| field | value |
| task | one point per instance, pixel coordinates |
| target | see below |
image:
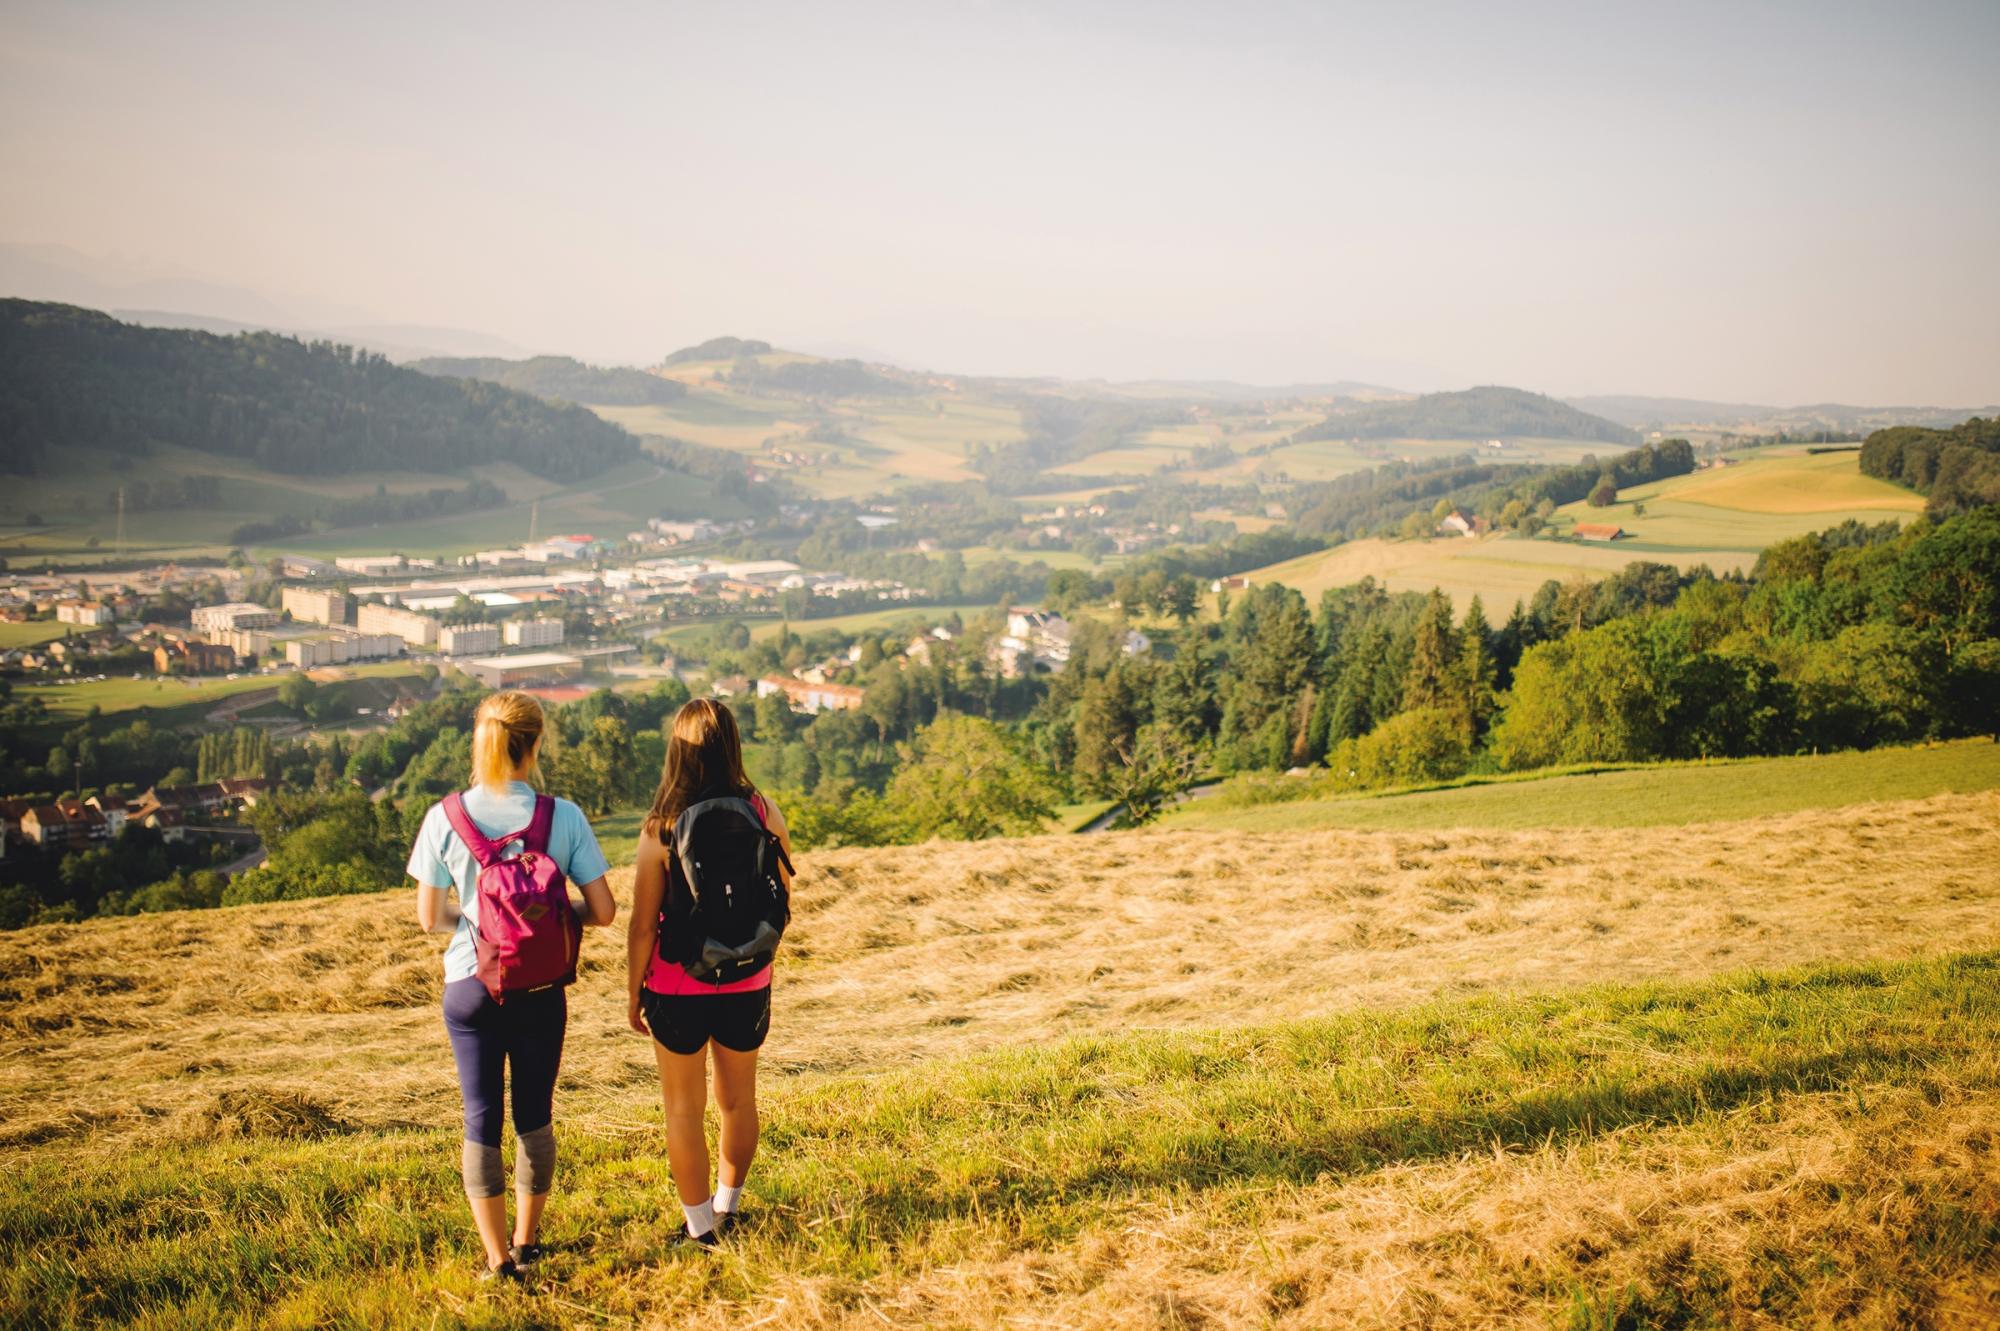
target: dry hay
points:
(902, 953)
(1878, 1202)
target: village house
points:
(806, 696)
(1460, 522)
(1598, 531)
(67, 824)
(193, 658)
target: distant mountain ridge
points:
(561, 379)
(1473, 413)
(72, 377)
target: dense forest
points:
(72, 377)
(1475, 413)
(1958, 468)
(821, 378)
(561, 379)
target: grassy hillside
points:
(1468, 1079)
(1720, 518)
(1651, 795)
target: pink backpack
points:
(528, 936)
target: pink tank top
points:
(671, 981)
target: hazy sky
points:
(1790, 203)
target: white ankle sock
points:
(725, 1198)
(700, 1218)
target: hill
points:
(1719, 517)
(74, 378)
(718, 348)
(1470, 1078)
(561, 379)
(1475, 413)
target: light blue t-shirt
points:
(441, 860)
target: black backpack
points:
(734, 908)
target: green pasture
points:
(1645, 795)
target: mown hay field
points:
(1736, 1073)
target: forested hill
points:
(72, 377)
(1958, 468)
(561, 378)
(1475, 413)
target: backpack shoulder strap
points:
(483, 850)
(536, 837)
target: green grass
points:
(173, 700)
(1650, 795)
(867, 1180)
(32, 633)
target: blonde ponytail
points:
(504, 732)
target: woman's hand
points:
(635, 1017)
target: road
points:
(1103, 821)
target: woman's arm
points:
(649, 891)
(598, 909)
(437, 909)
(784, 834)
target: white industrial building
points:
(231, 616)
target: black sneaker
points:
(505, 1272)
(526, 1254)
(728, 1222)
(689, 1238)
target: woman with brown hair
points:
(690, 993)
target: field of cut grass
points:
(1499, 569)
(1649, 795)
(1753, 503)
(32, 633)
(992, 1098)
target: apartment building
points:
(532, 632)
(316, 605)
(413, 628)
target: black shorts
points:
(685, 1023)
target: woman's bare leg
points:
(684, 1091)
(736, 1101)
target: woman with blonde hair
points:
(493, 866)
(709, 901)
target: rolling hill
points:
(1475, 413)
(74, 378)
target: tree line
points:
(1958, 468)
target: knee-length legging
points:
(522, 1037)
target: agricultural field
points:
(1499, 569)
(1769, 496)
(1642, 795)
(31, 633)
(1721, 519)
(167, 698)
(607, 505)
(1726, 1073)
(871, 445)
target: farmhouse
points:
(1598, 531)
(1461, 522)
